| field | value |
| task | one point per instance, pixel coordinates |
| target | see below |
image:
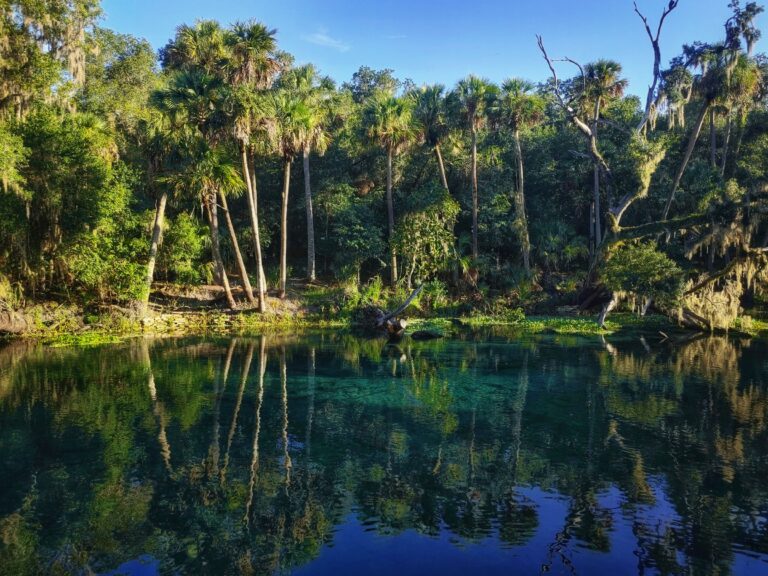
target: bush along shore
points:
(179, 311)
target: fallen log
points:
(377, 319)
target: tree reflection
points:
(663, 443)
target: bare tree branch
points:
(650, 99)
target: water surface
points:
(329, 454)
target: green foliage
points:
(13, 158)
(351, 234)
(424, 235)
(182, 251)
(643, 270)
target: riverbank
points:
(199, 312)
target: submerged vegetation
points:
(128, 174)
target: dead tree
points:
(376, 319)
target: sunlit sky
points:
(441, 41)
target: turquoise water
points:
(328, 454)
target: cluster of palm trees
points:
(230, 94)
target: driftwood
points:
(377, 319)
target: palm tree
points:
(196, 97)
(742, 93)
(429, 111)
(157, 142)
(472, 97)
(286, 126)
(307, 86)
(603, 84)
(520, 109)
(715, 63)
(251, 66)
(209, 175)
(201, 46)
(388, 123)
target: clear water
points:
(328, 454)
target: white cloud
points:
(322, 38)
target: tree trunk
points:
(474, 194)
(391, 219)
(686, 157)
(522, 220)
(596, 187)
(213, 222)
(236, 247)
(262, 275)
(284, 229)
(607, 307)
(251, 197)
(310, 220)
(441, 165)
(739, 140)
(712, 139)
(157, 238)
(726, 143)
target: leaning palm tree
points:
(158, 143)
(210, 175)
(286, 122)
(388, 123)
(602, 84)
(429, 111)
(471, 98)
(251, 66)
(521, 109)
(716, 63)
(195, 97)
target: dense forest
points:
(219, 160)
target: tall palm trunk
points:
(310, 219)
(213, 224)
(157, 238)
(441, 165)
(474, 194)
(686, 157)
(236, 247)
(262, 274)
(284, 228)
(251, 194)
(522, 220)
(739, 139)
(391, 218)
(726, 144)
(712, 139)
(596, 187)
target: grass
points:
(82, 340)
(585, 325)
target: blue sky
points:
(443, 40)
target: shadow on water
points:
(330, 454)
